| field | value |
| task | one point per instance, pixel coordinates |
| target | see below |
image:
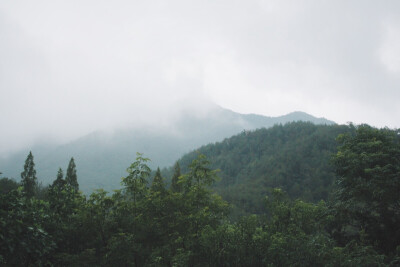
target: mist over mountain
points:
(103, 156)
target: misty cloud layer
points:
(70, 67)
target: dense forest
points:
(326, 201)
(295, 157)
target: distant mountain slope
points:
(261, 121)
(295, 157)
(102, 158)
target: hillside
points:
(102, 157)
(295, 157)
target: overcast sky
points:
(70, 67)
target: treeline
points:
(147, 223)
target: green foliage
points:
(136, 181)
(158, 183)
(175, 186)
(294, 157)
(28, 177)
(23, 238)
(367, 199)
(6, 185)
(187, 224)
(59, 183)
(121, 250)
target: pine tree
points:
(175, 187)
(71, 178)
(59, 182)
(28, 177)
(158, 183)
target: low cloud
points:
(72, 67)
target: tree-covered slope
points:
(101, 158)
(150, 224)
(295, 157)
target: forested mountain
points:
(101, 157)
(147, 223)
(295, 157)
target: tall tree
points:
(136, 190)
(59, 182)
(368, 199)
(71, 177)
(158, 183)
(136, 181)
(28, 177)
(175, 186)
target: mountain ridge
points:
(102, 157)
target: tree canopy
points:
(368, 195)
(147, 223)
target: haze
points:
(71, 67)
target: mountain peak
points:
(303, 116)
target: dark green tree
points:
(200, 207)
(175, 186)
(28, 177)
(71, 177)
(24, 240)
(6, 185)
(368, 200)
(64, 222)
(59, 182)
(158, 183)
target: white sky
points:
(71, 67)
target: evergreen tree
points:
(59, 182)
(158, 182)
(28, 177)
(71, 177)
(175, 187)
